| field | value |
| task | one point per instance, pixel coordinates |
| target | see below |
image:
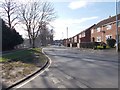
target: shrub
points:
(111, 42)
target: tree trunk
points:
(30, 42)
(33, 43)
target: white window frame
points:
(118, 23)
(75, 39)
(108, 36)
(92, 31)
(80, 36)
(83, 34)
(109, 27)
(79, 40)
(99, 39)
(98, 29)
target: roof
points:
(106, 21)
(87, 29)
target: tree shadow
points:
(27, 63)
(74, 57)
(3, 86)
(33, 57)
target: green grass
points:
(19, 54)
(22, 63)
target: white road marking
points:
(50, 75)
(86, 59)
(37, 74)
(55, 80)
(61, 86)
(47, 69)
(81, 85)
(68, 77)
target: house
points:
(84, 36)
(99, 32)
(105, 29)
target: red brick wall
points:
(87, 35)
(111, 31)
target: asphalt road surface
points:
(74, 68)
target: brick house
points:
(98, 32)
(84, 36)
(105, 29)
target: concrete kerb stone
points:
(46, 65)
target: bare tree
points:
(34, 15)
(8, 12)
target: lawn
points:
(17, 65)
(22, 54)
(14, 55)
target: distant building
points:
(99, 32)
(82, 37)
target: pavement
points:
(75, 68)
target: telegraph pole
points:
(67, 36)
(117, 37)
(67, 32)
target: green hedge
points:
(111, 42)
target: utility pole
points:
(117, 37)
(67, 36)
(62, 36)
(67, 32)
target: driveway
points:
(74, 68)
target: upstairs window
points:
(119, 24)
(83, 34)
(108, 36)
(92, 31)
(98, 39)
(80, 36)
(108, 27)
(75, 39)
(98, 29)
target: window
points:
(98, 29)
(108, 27)
(83, 34)
(79, 40)
(80, 36)
(108, 36)
(75, 39)
(69, 40)
(119, 24)
(98, 39)
(92, 31)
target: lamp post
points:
(117, 37)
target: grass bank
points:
(17, 65)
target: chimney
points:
(110, 16)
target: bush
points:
(111, 42)
(10, 38)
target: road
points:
(74, 68)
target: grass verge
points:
(17, 65)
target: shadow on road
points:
(2, 86)
(74, 57)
